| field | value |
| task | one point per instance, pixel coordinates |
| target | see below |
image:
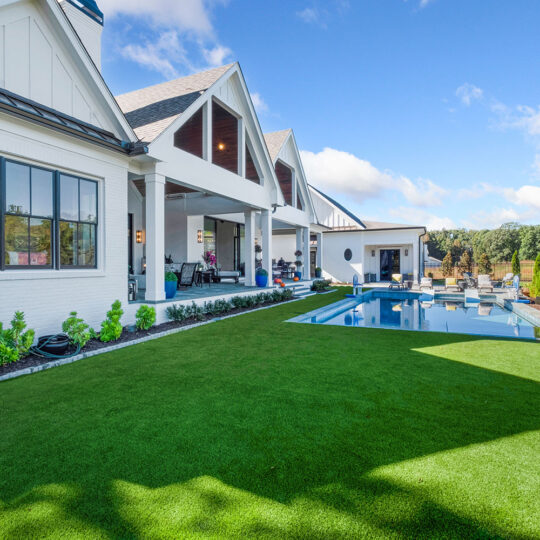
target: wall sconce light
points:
(138, 237)
(406, 253)
(199, 237)
(221, 146)
(373, 253)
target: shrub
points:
(447, 267)
(111, 328)
(535, 284)
(145, 317)
(320, 285)
(177, 313)
(261, 272)
(170, 276)
(77, 330)
(297, 253)
(465, 262)
(516, 265)
(15, 342)
(239, 302)
(484, 264)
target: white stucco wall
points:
(284, 246)
(47, 296)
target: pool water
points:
(412, 312)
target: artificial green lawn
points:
(252, 427)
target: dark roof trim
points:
(22, 107)
(342, 208)
(397, 228)
(89, 8)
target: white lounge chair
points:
(484, 283)
(426, 283)
(397, 282)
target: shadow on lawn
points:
(246, 444)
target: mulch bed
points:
(127, 336)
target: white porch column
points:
(320, 250)
(416, 261)
(155, 237)
(249, 240)
(266, 229)
(306, 271)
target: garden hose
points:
(38, 350)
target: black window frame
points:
(55, 219)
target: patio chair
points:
(470, 282)
(484, 283)
(397, 282)
(426, 283)
(508, 281)
(452, 283)
(187, 275)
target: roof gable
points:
(275, 141)
(49, 65)
(151, 110)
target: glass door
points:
(390, 263)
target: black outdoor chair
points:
(187, 274)
(470, 282)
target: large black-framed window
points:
(48, 220)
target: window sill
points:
(17, 275)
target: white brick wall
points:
(47, 296)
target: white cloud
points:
(337, 171)
(493, 219)
(259, 103)
(424, 3)
(415, 216)
(184, 15)
(468, 93)
(172, 28)
(154, 55)
(524, 196)
(309, 15)
(217, 56)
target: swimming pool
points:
(417, 311)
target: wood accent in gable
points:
(190, 135)
(251, 170)
(284, 175)
(224, 138)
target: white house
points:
(94, 189)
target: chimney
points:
(87, 19)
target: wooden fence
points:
(499, 270)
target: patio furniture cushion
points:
(450, 281)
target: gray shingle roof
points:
(385, 225)
(153, 109)
(274, 142)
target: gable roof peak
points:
(152, 109)
(275, 141)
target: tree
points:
(447, 266)
(502, 242)
(516, 267)
(465, 262)
(530, 242)
(484, 264)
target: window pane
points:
(87, 245)
(40, 242)
(42, 193)
(17, 188)
(16, 236)
(69, 198)
(68, 244)
(88, 201)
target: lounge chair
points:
(452, 283)
(484, 283)
(397, 282)
(187, 274)
(426, 283)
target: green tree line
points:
(498, 245)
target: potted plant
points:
(318, 272)
(298, 264)
(261, 277)
(171, 282)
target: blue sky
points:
(413, 111)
